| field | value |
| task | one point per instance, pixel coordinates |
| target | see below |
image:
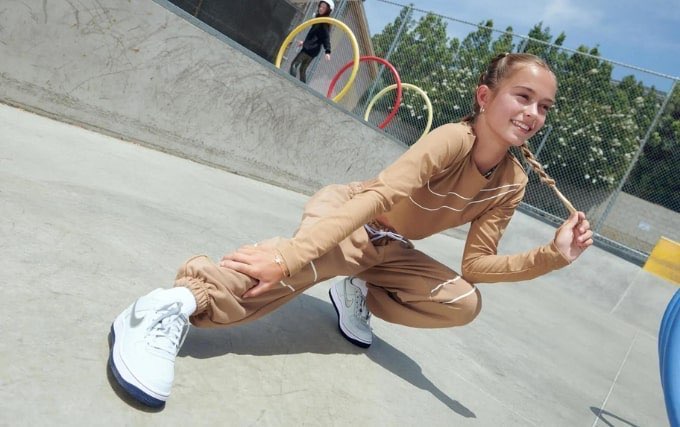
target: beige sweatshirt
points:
(434, 186)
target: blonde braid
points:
(536, 166)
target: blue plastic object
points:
(669, 358)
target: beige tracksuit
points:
(434, 186)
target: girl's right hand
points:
(574, 236)
(258, 262)
(300, 43)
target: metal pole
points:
(390, 50)
(616, 193)
(522, 46)
(541, 144)
(548, 130)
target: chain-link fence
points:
(612, 141)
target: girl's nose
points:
(531, 110)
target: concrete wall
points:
(637, 223)
(258, 25)
(137, 70)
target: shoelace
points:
(361, 309)
(169, 329)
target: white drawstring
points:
(376, 234)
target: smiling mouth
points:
(525, 127)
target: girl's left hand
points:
(257, 262)
(574, 236)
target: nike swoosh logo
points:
(348, 300)
(134, 320)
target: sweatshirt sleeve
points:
(411, 170)
(326, 39)
(481, 264)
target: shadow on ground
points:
(606, 417)
(288, 331)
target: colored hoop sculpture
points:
(397, 101)
(343, 27)
(669, 358)
(421, 92)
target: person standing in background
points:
(318, 35)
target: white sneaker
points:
(354, 319)
(146, 338)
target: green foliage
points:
(595, 128)
(655, 176)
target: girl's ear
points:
(483, 95)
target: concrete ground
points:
(89, 223)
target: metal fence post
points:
(522, 46)
(541, 144)
(390, 50)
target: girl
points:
(317, 36)
(459, 173)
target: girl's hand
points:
(300, 43)
(574, 236)
(328, 57)
(259, 263)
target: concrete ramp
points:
(90, 222)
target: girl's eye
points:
(523, 96)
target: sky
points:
(644, 34)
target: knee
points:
(470, 307)
(466, 307)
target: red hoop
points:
(397, 101)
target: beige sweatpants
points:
(405, 286)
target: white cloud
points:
(569, 13)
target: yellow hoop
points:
(343, 27)
(420, 92)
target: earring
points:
(481, 110)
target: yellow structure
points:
(415, 88)
(664, 260)
(343, 27)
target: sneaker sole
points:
(344, 333)
(143, 397)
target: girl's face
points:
(323, 8)
(518, 107)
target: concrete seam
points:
(611, 389)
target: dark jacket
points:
(318, 35)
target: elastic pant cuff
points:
(197, 287)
